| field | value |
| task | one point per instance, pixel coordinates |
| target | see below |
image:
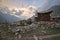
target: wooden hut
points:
(43, 16)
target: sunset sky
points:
(25, 3)
(28, 6)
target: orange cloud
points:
(27, 13)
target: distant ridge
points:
(8, 18)
(2, 19)
(56, 11)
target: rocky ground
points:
(35, 31)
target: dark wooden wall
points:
(55, 19)
(43, 16)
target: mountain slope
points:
(2, 19)
(56, 11)
(8, 18)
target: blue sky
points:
(33, 2)
(20, 2)
(37, 3)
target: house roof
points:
(47, 11)
(54, 10)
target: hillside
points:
(7, 18)
(56, 11)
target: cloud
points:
(18, 3)
(26, 12)
(19, 13)
(0, 0)
(9, 3)
(29, 12)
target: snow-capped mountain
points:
(6, 16)
(14, 15)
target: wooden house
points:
(43, 16)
